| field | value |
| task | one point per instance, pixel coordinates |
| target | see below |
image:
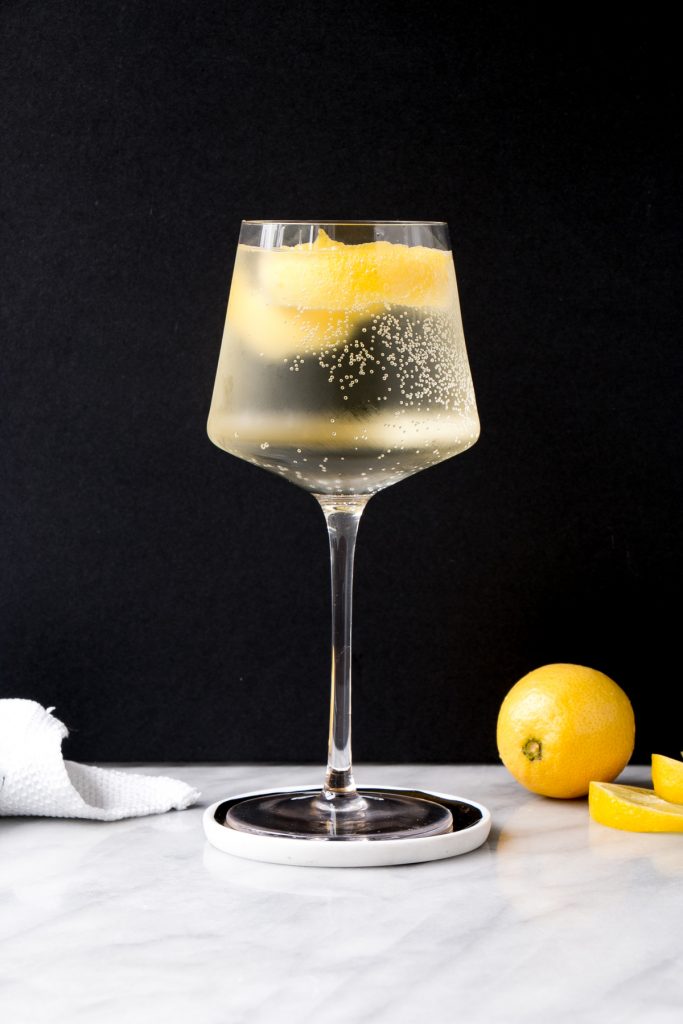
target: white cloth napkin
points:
(35, 778)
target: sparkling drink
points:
(343, 367)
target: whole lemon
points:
(563, 726)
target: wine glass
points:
(343, 369)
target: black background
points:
(173, 601)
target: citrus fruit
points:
(309, 297)
(562, 726)
(667, 778)
(276, 331)
(329, 275)
(633, 809)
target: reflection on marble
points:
(140, 921)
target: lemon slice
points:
(314, 296)
(633, 809)
(276, 331)
(667, 778)
(330, 275)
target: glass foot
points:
(373, 814)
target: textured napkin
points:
(35, 778)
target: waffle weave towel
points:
(36, 780)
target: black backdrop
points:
(173, 601)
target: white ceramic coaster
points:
(471, 826)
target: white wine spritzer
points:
(343, 367)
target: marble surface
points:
(141, 921)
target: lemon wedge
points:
(633, 809)
(667, 778)
(330, 275)
(314, 296)
(278, 331)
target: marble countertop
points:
(141, 921)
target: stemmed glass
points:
(343, 369)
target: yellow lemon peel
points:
(326, 274)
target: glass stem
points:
(342, 516)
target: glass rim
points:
(352, 223)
